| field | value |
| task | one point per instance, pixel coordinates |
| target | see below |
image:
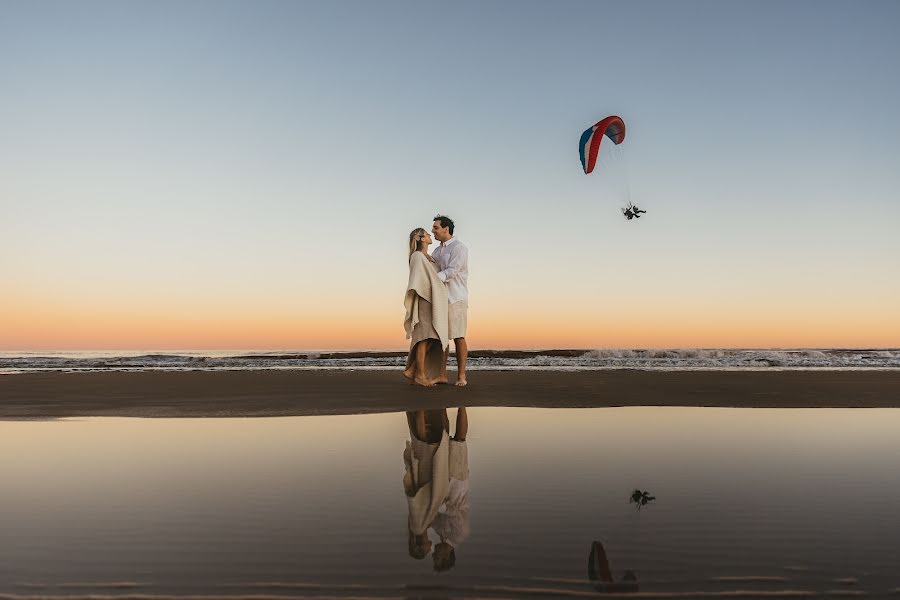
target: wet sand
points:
(284, 393)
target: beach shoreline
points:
(166, 394)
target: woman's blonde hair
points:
(415, 236)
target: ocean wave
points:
(571, 359)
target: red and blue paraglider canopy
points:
(612, 127)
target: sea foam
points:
(665, 359)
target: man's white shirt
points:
(452, 258)
(452, 524)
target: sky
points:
(244, 175)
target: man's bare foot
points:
(441, 379)
(423, 381)
(409, 373)
(461, 381)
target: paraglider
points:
(612, 127)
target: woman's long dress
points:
(424, 330)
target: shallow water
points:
(767, 501)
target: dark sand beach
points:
(283, 393)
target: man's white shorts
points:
(459, 319)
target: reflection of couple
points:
(437, 302)
(436, 482)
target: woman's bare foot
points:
(441, 379)
(423, 381)
(410, 373)
(461, 381)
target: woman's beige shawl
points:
(425, 496)
(425, 283)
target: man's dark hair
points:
(445, 222)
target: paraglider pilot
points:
(632, 212)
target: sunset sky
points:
(244, 175)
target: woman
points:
(436, 473)
(427, 314)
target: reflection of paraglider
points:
(589, 147)
(600, 573)
(641, 498)
(598, 564)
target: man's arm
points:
(458, 258)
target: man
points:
(451, 523)
(452, 258)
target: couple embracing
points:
(437, 303)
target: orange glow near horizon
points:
(76, 326)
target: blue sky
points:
(273, 156)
